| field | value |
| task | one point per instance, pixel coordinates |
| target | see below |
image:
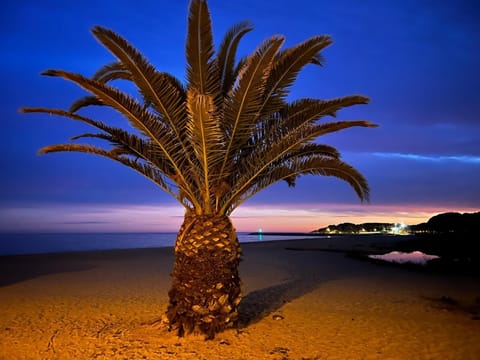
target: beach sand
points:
(299, 303)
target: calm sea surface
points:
(31, 243)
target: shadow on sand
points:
(259, 304)
(306, 271)
(18, 268)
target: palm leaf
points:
(293, 117)
(312, 149)
(314, 165)
(162, 90)
(200, 50)
(109, 72)
(59, 112)
(304, 111)
(225, 135)
(91, 135)
(138, 116)
(113, 71)
(140, 119)
(257, 163)
(227, 52)
(286, 68)
(117, 136)
(304, 151)
(85, 101)
(132, 145)
(150, 172)
(207, 138)
(242, 109)
(294, 139)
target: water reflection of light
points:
(260, 235)
(415, 257)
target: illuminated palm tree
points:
(212, 143)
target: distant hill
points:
(450, 222)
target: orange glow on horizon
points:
(149, 218)
(302, 218)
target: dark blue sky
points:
(418, 61)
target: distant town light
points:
(399, 229)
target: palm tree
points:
(211, 143)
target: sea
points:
(41, 243)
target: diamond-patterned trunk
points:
(205, 290)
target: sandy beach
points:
(300, 303)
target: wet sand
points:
(298, 305)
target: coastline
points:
(306, 304)
(46, 243)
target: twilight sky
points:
(418, 61)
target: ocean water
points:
(36, 243)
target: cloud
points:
(84, 222)
(435, 158)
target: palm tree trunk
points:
(206, 290)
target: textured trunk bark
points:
(205, 291)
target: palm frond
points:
(227, 52)
(59, 112)
(109, 72)
(84, 102)
(113, 71)
(286, 68)
(258, 162)
(200, 50)
(303, 112)
(132, 145)
(313, 165)
(294, 117)
(312, 149)
(306, 152)
(248, 164)
(140, 119)
(207, 139)
(91, 135)
(240, 112)
(147, 170)
(225, 135)
(318, 60)
(236, 71)
(162, 90)
(117, 136)
(294, 140)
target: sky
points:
(418, 61)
